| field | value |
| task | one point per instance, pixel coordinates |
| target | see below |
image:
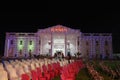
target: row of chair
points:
(108, 70)
(70, 71)
(35, 69)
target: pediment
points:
(58, 28)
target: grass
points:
(83, 75)
(57, 78)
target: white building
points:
(58, 38)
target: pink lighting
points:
(58, 29)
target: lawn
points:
(83, 75)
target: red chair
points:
(46, 73)
(40, 75)
(55, 69)
(34, 75)
(25, 77)
(67, 76)
(51, 71)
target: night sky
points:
(91, 20)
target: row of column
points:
(101, 41)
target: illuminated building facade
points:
(58, 38)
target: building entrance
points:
(58, 45)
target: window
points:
(87, 43)
(106, 43)
(97, 43)
(30, 42)
(21, 42)
(11, 42)
(87, 52)
(107, 53)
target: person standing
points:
(69, 57)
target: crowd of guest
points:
(58, 55)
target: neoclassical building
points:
(58, 38)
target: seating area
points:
(39, 69)
(55, 69)
(70, 71)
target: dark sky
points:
(101, 20)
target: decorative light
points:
(58, 29)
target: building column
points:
(76, 44)
(6, 47)
(25, 47)
(80, 45)
(16, 42)
(65, 45)
(15, 47)
(41, 48)
(91, 44)
(37, 45)
(51, 43)
(111, 49)
(101, 47)
(93, 48)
